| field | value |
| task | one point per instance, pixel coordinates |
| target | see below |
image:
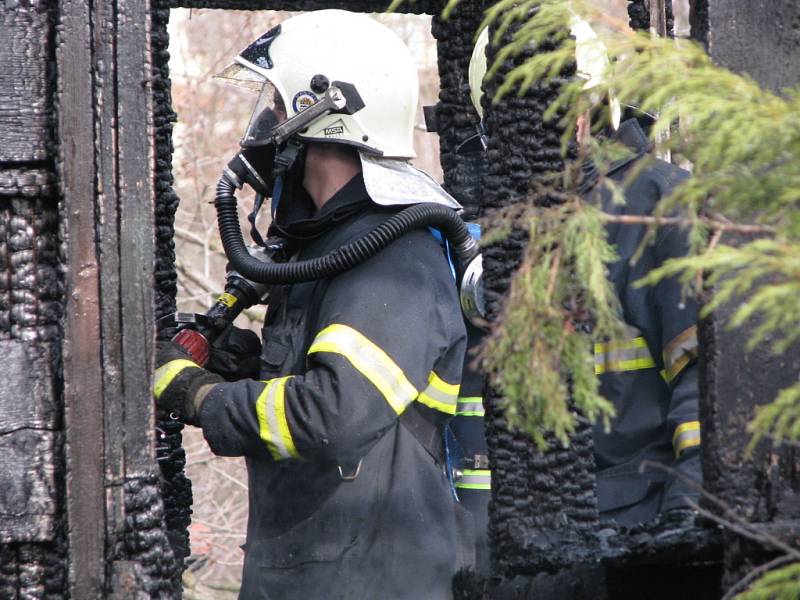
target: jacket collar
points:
(629, 134)
(301, 220)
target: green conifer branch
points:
(779, 584)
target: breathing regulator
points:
(369, 104)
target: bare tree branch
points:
(715, 224)
(745, 581)
(733, 522)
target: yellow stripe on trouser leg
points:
(471, 406)
(166, 373)
(475, 479)
(440, 395)
(686, 436)
(369, 360)
(273, 427)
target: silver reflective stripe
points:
(272, 423)
(368, 359)
(470, 407)
(686, 436)
(629, 355)
(475, 479)
(440, 395)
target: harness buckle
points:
(353, 474)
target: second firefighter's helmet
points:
(591, 58)
(293, 64)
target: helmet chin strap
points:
(286, 158)
(282, 166)
(288, 167)
(277, 190)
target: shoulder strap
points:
(429, 435)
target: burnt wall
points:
(32, 527)
(77, 266)
(81, 515)
(760, 38)
(639, 15)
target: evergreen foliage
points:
(539, 356)
(743, 142)
(740, 210)
(780, 584)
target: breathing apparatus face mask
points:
(271, 135)
(255, 163)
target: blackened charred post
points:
(431, 7)
(456, 117)
(640, 12)
(176, 489)
(762, 487)
(83, 373)
(544, 511)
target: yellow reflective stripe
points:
(636, 364)
(440, 395)
(604, 347)
(167, 372)
(369, 360)
(679, 352)
(475, 479)
(686, 436)
(627, 355)
(273, 427)
(470, 406)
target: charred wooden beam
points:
(82, 362)
(26, 104)
(761, 39)
(432, 7)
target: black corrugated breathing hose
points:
(344, 258)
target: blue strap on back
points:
(474, 230)
(453, 453)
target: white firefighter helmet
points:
(300, 58)
(477, 70)
(591, 60)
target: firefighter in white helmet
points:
(342, 425)
(651, 376)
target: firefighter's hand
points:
(179, 385)
(236, 354)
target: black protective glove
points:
(178, 384)
(236, 354)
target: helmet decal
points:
(335, 130)
(302, 100)
(258, 52)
